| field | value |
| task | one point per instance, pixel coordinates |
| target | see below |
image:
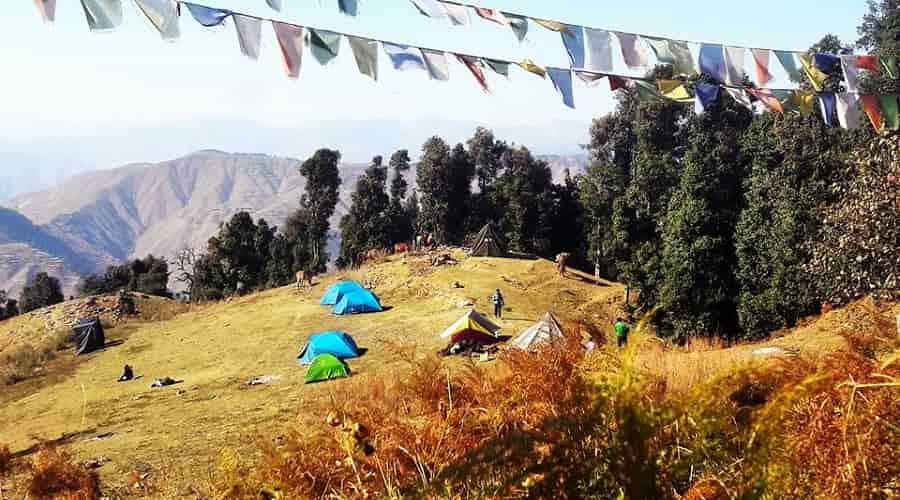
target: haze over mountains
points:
(103, 217)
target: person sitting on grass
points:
(127, 374)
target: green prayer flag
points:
(891, 67)
(789, 61)
(366, 53)
(889, 110)
(324, 45)
(647, 91)
(519, 25)
(676, 54)
(499, 67)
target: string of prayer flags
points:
(674, 90)
(633, 51)
(562, 82)
(349, 7)
(734, 65)
(47, 9)
(573, 39)
(890, 111)
(848, 110)
(474, 65)
(163, 15)
(249, 32)
(828, 104)
(519, 25)
(324, 45)
(274, 4)
(531, 67)
(207, 16)
(430, 8)
(102, 15)
(599, 48)
(290, 40)
(712, 61)
(705, 95)
(404, 58)
(870, 105)
(761, 61)
(365, 52)
(438, 68)
(852, 64)
(788, 61)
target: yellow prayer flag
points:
(552, 25)
(530, 66)
(804, 101)
(674, 90)
(816, 77)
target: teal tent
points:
(338, 344)
(326, 367)
(335, 292)
(360, 301)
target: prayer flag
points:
(365, 52)
(290, 40)
(803, 100)
(676, 54)
(788, 61)
(562, 82)
(734, 65)
(275, 4)
(438, 68)
(249, 32)
(761, 59)
(890, 67)
(828, 103)
(404, 58)
(741, 97)
(499, 67)
(430, 8)
(646, 91)
(851, 73)
(162, 14)
(551, 25)
(458, 14)
(870, 105)
(590, 79)
(207, 16)
(766, 97)
(474, 65)
(349, 7)
(616, 83)
(530, 66)
(102, 14)
(519, 25)
(848, 111)
(492, 15)
(47, 8)
(674, 90)
(890, 111)
(826, 63)
(712, 61)
(633, 50)
(816, 77)
(599, 46)
(324, 45)
(573, 39)
(868, 62)
(705, 96)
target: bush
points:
(6, 460)
(52, 474)
(21, 362)
(43, 290)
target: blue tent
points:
(361, 301)
(336, 291)
(338, 344)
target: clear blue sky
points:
(62, 80)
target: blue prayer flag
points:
(208, 16)
(562, 81)
(573, 39)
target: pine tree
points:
(318, 203)
(444, 179)
(367, 225)
(525, 191)
(401, 225)
(43, 290)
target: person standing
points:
(497, 299)
(621, 328)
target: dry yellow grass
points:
(216, 348)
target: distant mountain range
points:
(99, 218)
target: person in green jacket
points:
(621, 328)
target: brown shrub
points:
(6, 460)
(53, 475)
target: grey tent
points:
(545, 330)
(88, 336)
(489, 243)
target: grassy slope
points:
(215, 349)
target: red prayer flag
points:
(867, 62)
(617, 82)
(474, 65)
(873, 110)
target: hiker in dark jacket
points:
(498, 302)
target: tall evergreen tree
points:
(41, 291)
(524, 191)
(486, 153)
(367, 225)
(444, 179)
(319, 201)
(401, 225)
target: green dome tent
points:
(326, 367)
(489, 243)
